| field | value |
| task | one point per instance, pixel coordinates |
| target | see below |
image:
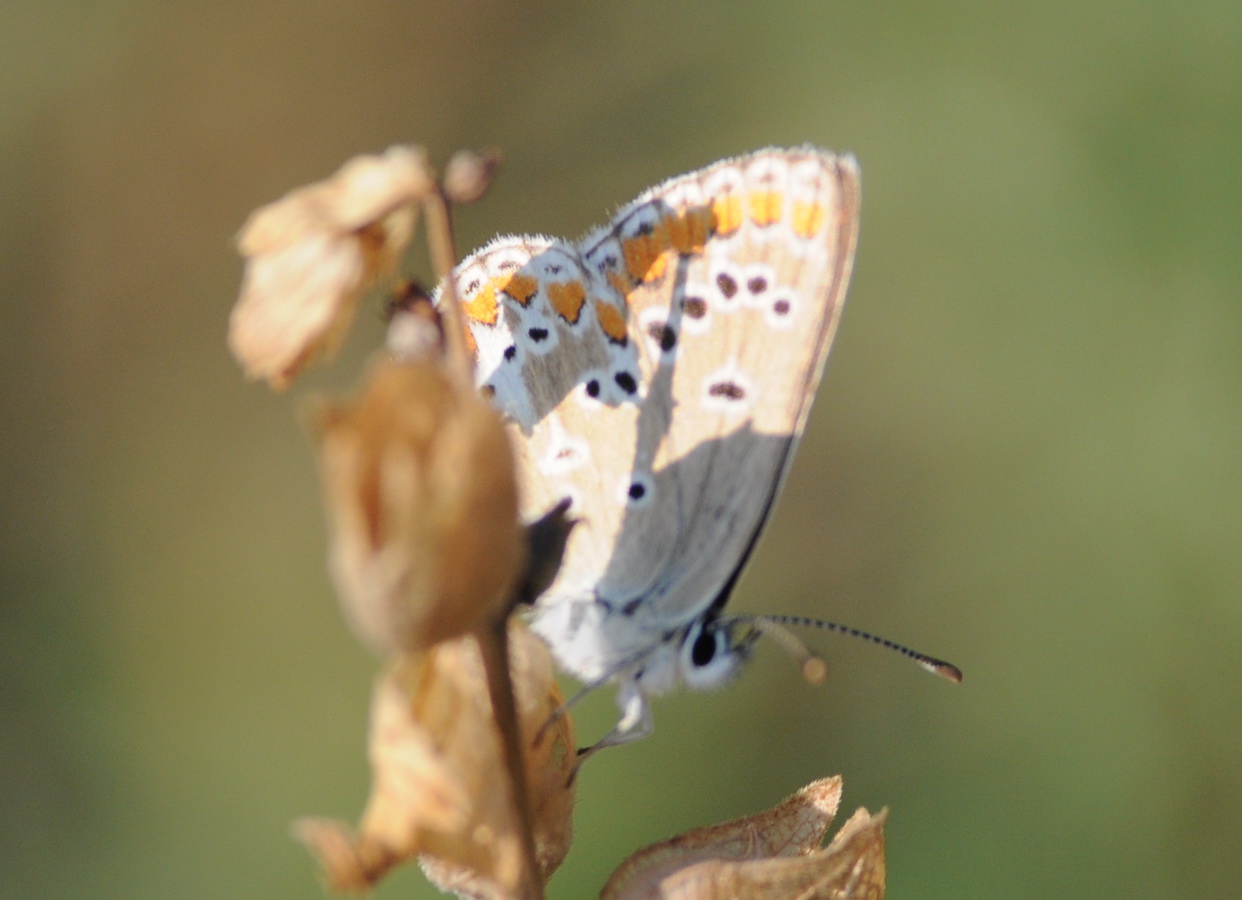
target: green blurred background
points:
(1026, 455)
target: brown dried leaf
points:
(439, 785)
(769, 856)
(311, 256)
(422, 505)
(349, 865)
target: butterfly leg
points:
(635, 723)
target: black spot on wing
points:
(663, 334)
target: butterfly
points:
(658, 373)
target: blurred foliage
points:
(1026, 455)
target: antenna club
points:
(815, 671)
(944, 670)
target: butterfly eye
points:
(704, 648)
(709, 658)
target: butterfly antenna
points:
(768, 625)
(813, 667)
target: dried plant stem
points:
(493, 634)
(493, 640)
(443, 259)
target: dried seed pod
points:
(422, 508)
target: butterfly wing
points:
(555, 355)
(659, 373)
(737, 275)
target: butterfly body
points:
(658, 373)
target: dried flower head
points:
(311, 256)
(439, 789)
(770, 856)
(422, 505)
(469, 174)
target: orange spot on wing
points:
(520, 287)
(688, 231)
(642, 252)
(483, 307)
(808, 218)
(766, 207)
(726, 214)
(619, 283)
(612, 320)
(656, 270)
(567, 299)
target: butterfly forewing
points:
(732, 342)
